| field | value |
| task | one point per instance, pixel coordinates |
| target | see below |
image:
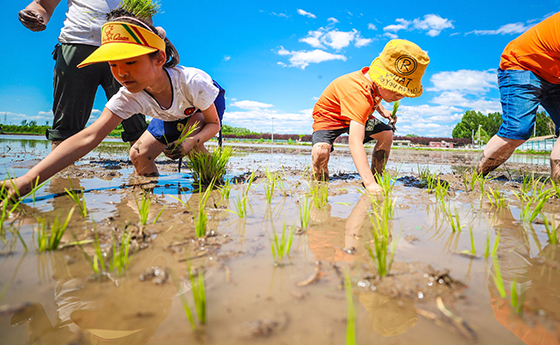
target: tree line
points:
(474, 125)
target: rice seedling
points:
(73, 195)
(454, 219)
(471, 180)
(49, 240)
(144, 9)
(304, 210)
(517, 299)
(97, 263)
(208, 167)
(18, 235)
(350, 314)
(551, 230)
(201, 220)
(35, 186)
(144, 205)
(381, 237)
(199, 295)
(319, 193)
(279, 179)
(4, 290)
(440, 191)
(556, 188)
(533, 204)
(225, 189)
(497, 277)
(395, 109)
(121, 255)
(496, 198)
(472, 252)
(387, 182)
(281, 246)
(269, 186)
(240, 203)
(7, 205)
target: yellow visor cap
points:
(121, 41)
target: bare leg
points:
(381, 151)
(55, 143)
(320, 160)
(143, 154)
(555, 162)
(496, 152)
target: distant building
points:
(441, 144)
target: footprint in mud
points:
(264, 327)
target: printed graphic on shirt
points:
(189, 111)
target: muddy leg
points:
(143, 154)
(381, 151)
(555, 163)
(496, 152)
(320, 160)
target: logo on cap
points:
(406, 65)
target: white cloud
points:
(508, 29)
(227, 58)
(333, 20)
(432, 24)
(335, 39)
(306, 14)
(251, 105)
(371, 26)
(464, 80)
(261, 120)
(303, 58)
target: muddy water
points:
(55, 298)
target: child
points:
(348, 103)
(145, 64)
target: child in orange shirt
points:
(348, 103)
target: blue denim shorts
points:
(521, 93)
(168, 131)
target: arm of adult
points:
(359, 156)
(37, 14)
(68, 152)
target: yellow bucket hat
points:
(400, 68)
(121, 41)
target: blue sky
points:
(275, 58)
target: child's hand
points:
(175, 151)
(374, 188)
(386, 114)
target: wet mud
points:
(434, 293)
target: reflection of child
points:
(347, 105)
(175, 96)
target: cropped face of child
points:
(389, 96)
(136, 74)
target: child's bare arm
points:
(359, 156)
(386, 113)
(208, 131)
(69, 151)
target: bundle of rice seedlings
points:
(144, 9)
(208, 167)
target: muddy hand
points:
(32, 20)
(173, 151)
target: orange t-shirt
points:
(536, 50)
(349, 97)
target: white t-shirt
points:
(193, 90)
(84, 19)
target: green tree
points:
(493, 124)
(469, 124)
(544, 125)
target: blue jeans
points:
(521, 93)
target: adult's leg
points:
(520, 95)
(497, 151)
(320, 154)
(381, 151)
(74, 91)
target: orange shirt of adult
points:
(349, 97)
(536, 50)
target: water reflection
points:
(537, 279)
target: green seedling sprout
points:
(281, 246)
(440, 191)
(472, 252)
(533, 204)
(144, 9)
(184, 302)
(201, 220)
(454, 220)
(35, 187)
(496, 198)
(319, 193)
(225, 189)
(279, 179)
(49, 240)
(8, 206)
(73, 195)
(143, 206)
(517, 299)
(551, 230)
(395, 109)
(304, 209)
(199, 296)
(350, 314)
(240, 202)
(386, 182)
(498, 281)
(381, 237)
(210, 166)
(269, 184)
(121, 255)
